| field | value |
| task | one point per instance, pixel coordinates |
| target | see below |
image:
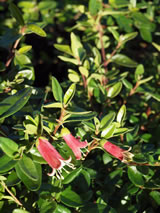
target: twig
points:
(112, 54)
(12, 195)
(63, 113)
(134, 89)
(12, 53)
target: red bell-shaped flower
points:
(73, 143)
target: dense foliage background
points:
(92, 67)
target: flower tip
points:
(64, 131)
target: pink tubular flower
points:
(123, 155)
(53, 158)
(73, 143)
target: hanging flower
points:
(53, 158)
(73, 143)
(123, 155)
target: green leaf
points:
(123, 60)
(94, 6)
(107, 120)
(127, 84)
(71, 198)
(36, 29)
(14, 103)
(36, 156)
(12, 179)
(108, 131)
(114, 32)
(24, 49)
(79, 117)
(16, 13)
(57, 90)
(135, 176)
(156, 196)
(19, 211)
(69, 94)
(29, 172)
(21, 60)
(7, 163)
(61, 209)
(53, 105)
(71, 60)
(114, 90)
(157, 46)
(146, 35)
(73, 76)
(128, 37)
(64, 48)
(9, 147)
(77, 47)
(121, 114)
(72, 175)
(139, 72)
(84, 71)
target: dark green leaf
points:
(36, 29)
(135, 176)
(123, 60)
(61, 209)
(12, 179)
(107, 120)
(14, 103)
(81, 117)
(29, 172)
(72, 175)
(108, 131)
(57, 90)
(9, 147)
(114, 90)
(16, 13)
(71, 198)
(156, 196)
(64, 48)
(7, 163)
(94, 6)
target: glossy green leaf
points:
(9, 147)
(79, 117)
(127, 84)
(121, 114)
(36, 156)
(21, 60)
(53, 105)
(94, 6)
(36, 29)
(107, 120)
(89, 125)
(77, 47)
(12, 179)
(123, 60)
(157, 46)
(24, 49)
(139, 72)
(108, 131)
(29, 172)
(61, 209)
(73, 76)
(7, 163)
(14, 103)
(155, 196)
(72, 175)
(135, 176)
(114, 90)
(143, 81)
(57, 90)
(84, 71)
(120, 131)
(114, 32)
(128, 37)
(71, 60)
(64, 48)
(16, 13)
(71, 198)
(19, 211)
(69, 94)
